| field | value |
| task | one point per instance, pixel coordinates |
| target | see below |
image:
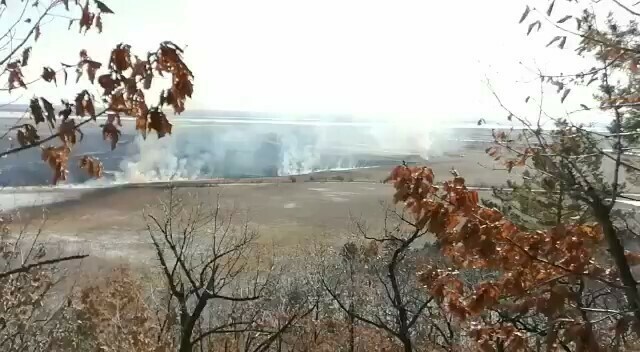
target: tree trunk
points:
(406, 344)
(352, 334)
(187, 323)
(617, 252)
(185, 340)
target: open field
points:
(108, 223)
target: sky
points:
(408, 58)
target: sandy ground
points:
(108, 224)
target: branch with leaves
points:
(123, 82)
(536, 271)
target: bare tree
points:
(209, 261)
(28, 277)
(380, 286)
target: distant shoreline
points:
(242, 116)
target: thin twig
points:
(49, 138)
(26, 268)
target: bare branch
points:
(29, 267)
(628, 9)
(47, 139)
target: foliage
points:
(541, 275)
(557, 242)
(379, 287)
(110, 314)
(23, 296)
(544, 265)
(123, 81)
(28, 276)
(543, 199)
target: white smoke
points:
(155, 160)
(210, 149)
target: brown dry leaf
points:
(16, 80)
(86, 20)
(141, 125)
(522, 161)
(26, 54)
(37, 32)
(556, 301)
(118, 103)
(15, 77)
(48, 74)
(169, 60)
(36, 111)
(66, 111)
(92, 68)
(148, 79)
(79, 104)
(107, 83)
(140, 68)
(22, 139)
(99, 23)
(93, 166)
(120, 58)
(509, 164)
(491, 151)
(28, 135)
(458, 309)
(131, 86)
(169, 57)
(138, 106)
(486, 296)
(168, 97)
(13, 65)
(114, 118)
(89, 107)
(69, 132)
(102, 7)
(181, 90)
(51, 113)
(112, 133)
(473, 197)
(84, 104)
(57, 158)
(158, 122)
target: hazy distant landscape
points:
(214, 146)
(251, 162)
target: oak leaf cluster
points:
(122, 83)
(537, 272)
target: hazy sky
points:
(405, 57)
